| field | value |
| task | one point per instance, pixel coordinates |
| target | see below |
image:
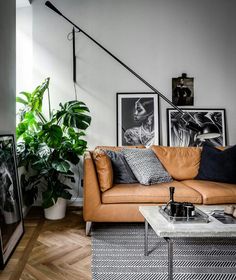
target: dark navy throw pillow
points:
(217, 165)
(122, 173)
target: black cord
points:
(69, 37)
(76, 96)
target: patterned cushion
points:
(146, 166)
(122, 173)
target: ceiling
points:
(23, 3)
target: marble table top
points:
(165, 229)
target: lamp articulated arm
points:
(52, 7)
(190, 124)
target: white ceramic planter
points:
(57, 211)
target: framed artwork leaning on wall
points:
(178, 134)
(11, 221)
(137, 119)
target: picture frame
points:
(180, 135)
(138, 121)
(183, 91)
(11, 219)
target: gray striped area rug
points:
(118, 254)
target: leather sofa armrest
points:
(92, 194)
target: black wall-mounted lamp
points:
(207, 131)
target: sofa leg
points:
(88, 228)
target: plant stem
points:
(49, 104)
(41, 117)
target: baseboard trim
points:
(76, 201)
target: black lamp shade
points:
(209, 131)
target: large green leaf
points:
(34, 100)
(39, 164)
(48, 198)
(61, 165)
(43, 151)
(21, 100)
(66, 195)
(74, 114)
(26, 94)
(37, 96)
(55, 190)
(21, 128)
(29, 189)
(71, 156)
(51, 135)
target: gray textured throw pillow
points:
(146, 166)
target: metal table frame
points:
(214, 229)
(170, 250)
(170, 242)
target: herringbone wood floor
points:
(51, 250)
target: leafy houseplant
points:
(47, 146)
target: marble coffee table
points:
(168, 230)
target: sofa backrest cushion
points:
(146, 166)
(182, 163)
(104, 169)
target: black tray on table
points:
(199, 217)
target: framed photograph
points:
(137, 119)
(212, 123)
(11, 220)
(182, 91)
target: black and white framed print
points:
(211, 124)
(11, 221)
(137, 119)
(183, 91)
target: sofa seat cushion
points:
(157, 193)
(213, 192)
(182, 163)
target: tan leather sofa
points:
(120, 202)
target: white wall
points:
(24, 49)
(22, 3)
(7, 66)
(160, 39)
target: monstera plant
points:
(47, 146)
